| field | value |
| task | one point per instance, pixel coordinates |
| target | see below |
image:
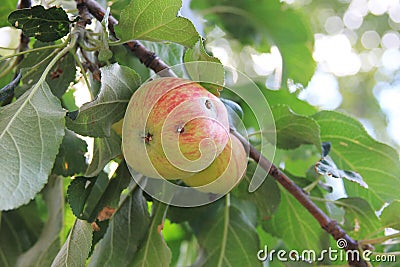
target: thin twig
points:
(147, 57)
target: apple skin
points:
(224, 173)
(173, 128)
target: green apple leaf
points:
(104, 150)
(293, 130)
(390, 216)
(96, 117)
(31, 131)
(70, 159)
(46, 247)
(5, 9)
(87, 197)
(198, 53)
(58, 79)
(353, 149)
(13, 240)
(360, 218)
(156, 20)
(170, 53)
(84, 196)
(235, 113)
(154, 251)
(77, 194)
(295, 225)
(77, 246)
(284, 97)
(227, 235)
(126, 230)
(44, 24)
(204, 68)
(266, 198)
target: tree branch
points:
(150, 60)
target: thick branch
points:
(148, 58)
(153, 62)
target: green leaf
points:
(227, 235)
(266, 198)
(31, 130)
(233, 107)
(104, 150)
(170, 53)
(70, 159)
(326, 166)
(126, 230)
(44, 24)
(45, 249)
(199, 53)
(353, 149)
(284, 97)
(77, 194)
(156, 20)
(77, 246)
(205, 69)
(87, 197)
(296, 226)
(124, 57)
(5, 9)
(84, 196)
(262, 24)
(360, 219)
(68, 101)
(58, 79)
(235, 113)
(62, 75)
(93, 204)
(300, 161)
(154, 251)
(390, 216)
(111, 196)
(293, 130)
(19, 230)
(96, 117)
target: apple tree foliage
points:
(60, 209)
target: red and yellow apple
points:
(176, 129)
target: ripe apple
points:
(224, 173)
(173, 128)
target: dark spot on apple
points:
(148, 137)
(180, 129)
(208, 104)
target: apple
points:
(173, 128)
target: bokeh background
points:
(356, 49)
